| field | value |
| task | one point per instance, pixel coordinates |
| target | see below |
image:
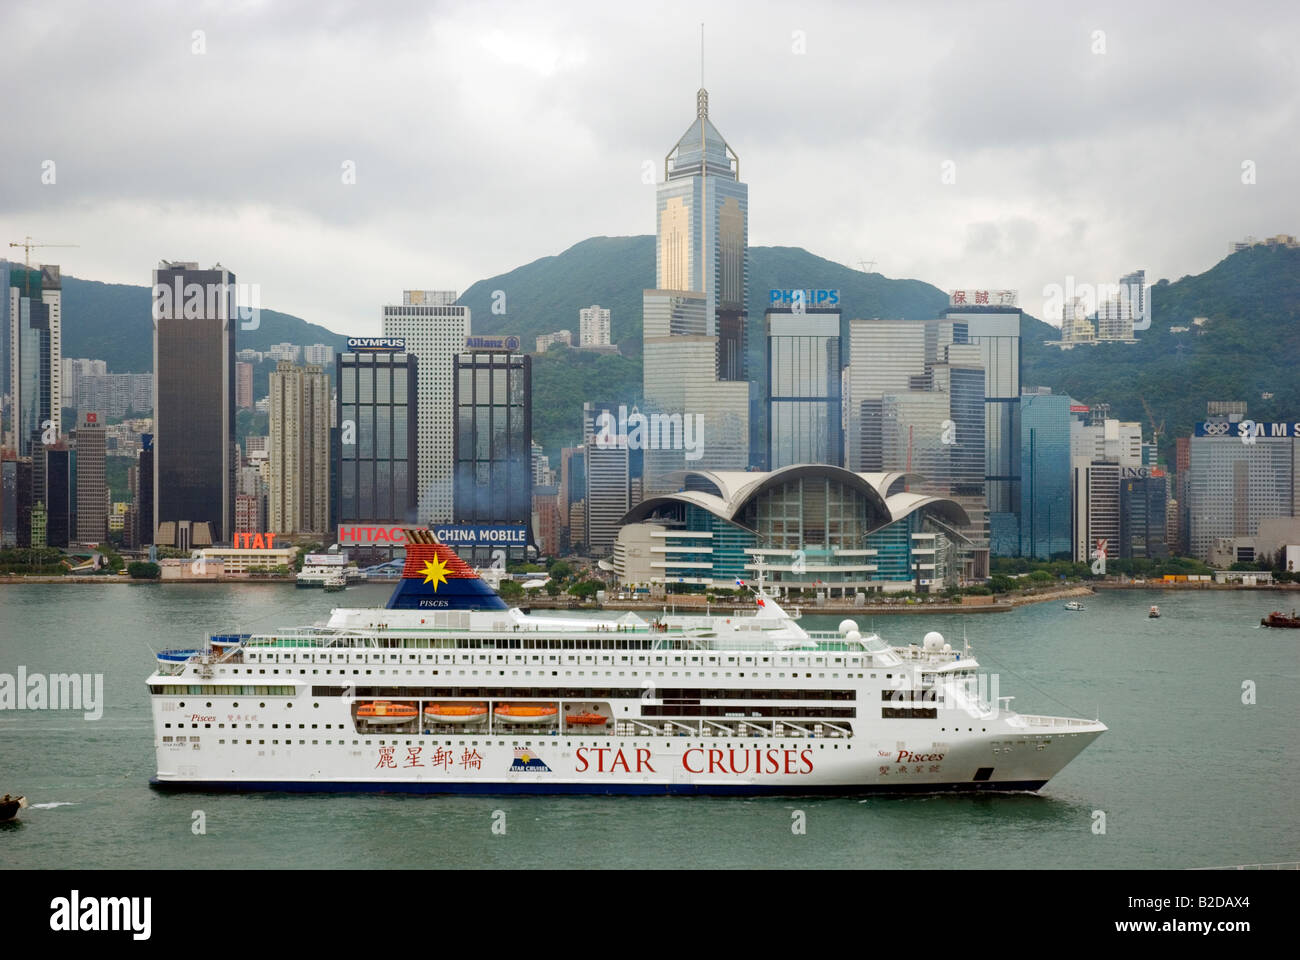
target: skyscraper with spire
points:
(694, 322)
(702, 209)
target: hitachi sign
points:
(371, 536)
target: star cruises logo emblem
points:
(435, 572)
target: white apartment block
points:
(435, 329)
(593, 326)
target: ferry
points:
(327, 570)
(447, 690)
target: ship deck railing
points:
(1036, 720)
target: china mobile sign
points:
(196, 301)
(453, 535)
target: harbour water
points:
(1189, 775)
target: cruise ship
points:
(447, 690)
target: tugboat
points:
(1277, 619)
(9, 807)
(1074, 605)
(1153, 613)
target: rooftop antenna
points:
(701, 54)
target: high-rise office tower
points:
(1045, 475)
(884, 357)
(377, 469)
(32, 315)
(703, 233)
(435, 329)
(243, 385)
(60, 495)
(694, 321)
(804, 422)
(493, 443)
(702, 422)
(194, 403)
(991, 319)
(298, 500)
(92, 489)
(8, 501)
(609, 479)
(143, 493)
(593, 326)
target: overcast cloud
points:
(487, 135)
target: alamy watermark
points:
(194, 301)
(1106, 301)
(655, 431)
(57, 691)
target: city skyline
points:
(865, 158)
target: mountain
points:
(1248, 348)
(113, 322)
(545, 296)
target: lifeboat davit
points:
(455, 712)
(384, 711)
(586, 720)
(527, 712)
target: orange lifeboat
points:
(385, 711)
(455, 712)
(586, 720)
(527, 712)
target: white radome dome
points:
(847, 626)
(934, 640)
(853, 636)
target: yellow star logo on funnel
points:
(435, 572)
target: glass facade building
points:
(884, 357)
(1232, 486)
(376, 468)
(1045, 481)
(493, 445)
(196, 458)
(996, 330)
(804, 415)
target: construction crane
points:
(1156, 429)
(27, 243)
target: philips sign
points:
(799, 300)
(376, 343)
(492, 343)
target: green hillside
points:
(113, 322)
(1249, 347)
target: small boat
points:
(527, 712)
(335, 584)
(9, 807)
(456, 712)
(1153, 613)
(384, 711)
(586, 720)
(1278, 619)
(1074, 605)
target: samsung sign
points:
(491, 343)
(376, 343)
(809, 299)
(477, 535)
(1247, 429)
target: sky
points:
(1001, 145)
